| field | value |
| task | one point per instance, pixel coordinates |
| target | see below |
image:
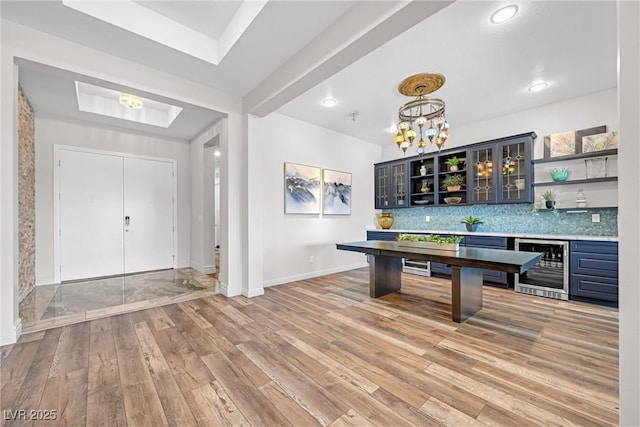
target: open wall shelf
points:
(591, 154)
(576, 181)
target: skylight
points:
(103, 101)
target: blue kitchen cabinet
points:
(382, 235)
(391, 184)
(594, 272)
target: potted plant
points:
(549, 199)
(471, 222)
(453, 182)
(453, 163)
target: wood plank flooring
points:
(321, 352)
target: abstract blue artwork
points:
(337, 192)
(301, 189)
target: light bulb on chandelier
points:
(421, 112)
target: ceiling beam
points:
(365, 27)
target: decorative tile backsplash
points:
(517, 218)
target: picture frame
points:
(568, 143)
(301, 189)
(336, 192)
(600, 142)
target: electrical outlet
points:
(312, 259)
(595, 217)
(427, 218)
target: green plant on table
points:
(471, 220)
(452, 180)
(441, 240)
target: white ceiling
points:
(488, 67)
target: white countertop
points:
(495, 234)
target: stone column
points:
(26, 197)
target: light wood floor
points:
(321, 352)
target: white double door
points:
(115, 214)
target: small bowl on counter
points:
(559, 174)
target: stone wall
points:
(26, 196)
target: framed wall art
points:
(568, 143)
(600, 141)
(301, 189)
(336, 198)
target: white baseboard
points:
(254, 293)
(312, 274)
(12, 336)
(204, 269)
(224, 290)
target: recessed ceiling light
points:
(217, 153)
(537, 87)
(504, 14)
(329, 102)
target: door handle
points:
(126, 220)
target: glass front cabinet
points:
(502, 172)
(515, 173)
(392, 185)
(497, 171)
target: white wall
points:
(629, 194)
(289, 240)
(202, 188)
(600, 108)
(51, 130)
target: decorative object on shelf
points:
(453, 163)
(520, 183)
(559, 174)
(421, 202)
(599, 142)
(336, 199)
(421, 112)
(549, 199)
(425, 186)
(423, 170)
(301, 189)
(581, 199)
(568, 143)
(452, 200)
(429, 241)
(130, 101)
(508, 165)
(453, 182)
(385, 220)
(471, 222)
(596, 167)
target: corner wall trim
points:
(312, 274)
(11, 338)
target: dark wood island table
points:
(385, 269)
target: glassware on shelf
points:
(581, 199)
(596, 167)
